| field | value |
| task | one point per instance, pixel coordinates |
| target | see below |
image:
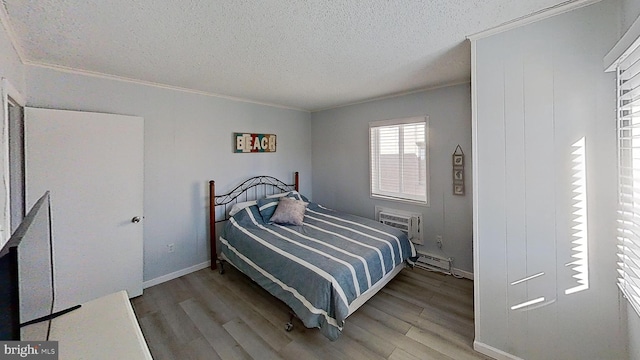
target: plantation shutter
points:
(628, 73)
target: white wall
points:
(540, 88)
(630, 12)
(341, 162)
(188, 141)
(11, 67)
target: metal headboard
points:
(261, 186)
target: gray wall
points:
(188, 141)
(341, 162)
(634, 333)
(540, 88)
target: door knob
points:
(135, 219)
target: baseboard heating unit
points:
(434, 262)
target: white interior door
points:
(93, 166)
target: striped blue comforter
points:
(319, 268)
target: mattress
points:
(320, 269)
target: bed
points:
(324, 264)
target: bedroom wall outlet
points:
(170, 247)
(439, 241)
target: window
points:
(628, 96)
(399, 166)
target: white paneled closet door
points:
(93, 165)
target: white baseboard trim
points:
(464, 274)
(493, 352)
(457, 272)
(175, 274)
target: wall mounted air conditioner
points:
(409, 223)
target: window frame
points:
(10, 96)
(395, 196)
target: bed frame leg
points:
(221, 270)
(289, 326)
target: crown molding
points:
(533, 17)
(384, 97)
(100, 75)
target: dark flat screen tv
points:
(26, 276)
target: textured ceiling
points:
(302, 54)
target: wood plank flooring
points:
(205, 315)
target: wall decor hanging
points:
(252, 143)
(458, 171)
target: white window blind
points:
(628, 73)
(399, 166)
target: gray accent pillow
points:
(267, 207)
(289, 212)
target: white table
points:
(104, 328)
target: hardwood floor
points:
(205, 315)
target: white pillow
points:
(241, 205)
(280, 194)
